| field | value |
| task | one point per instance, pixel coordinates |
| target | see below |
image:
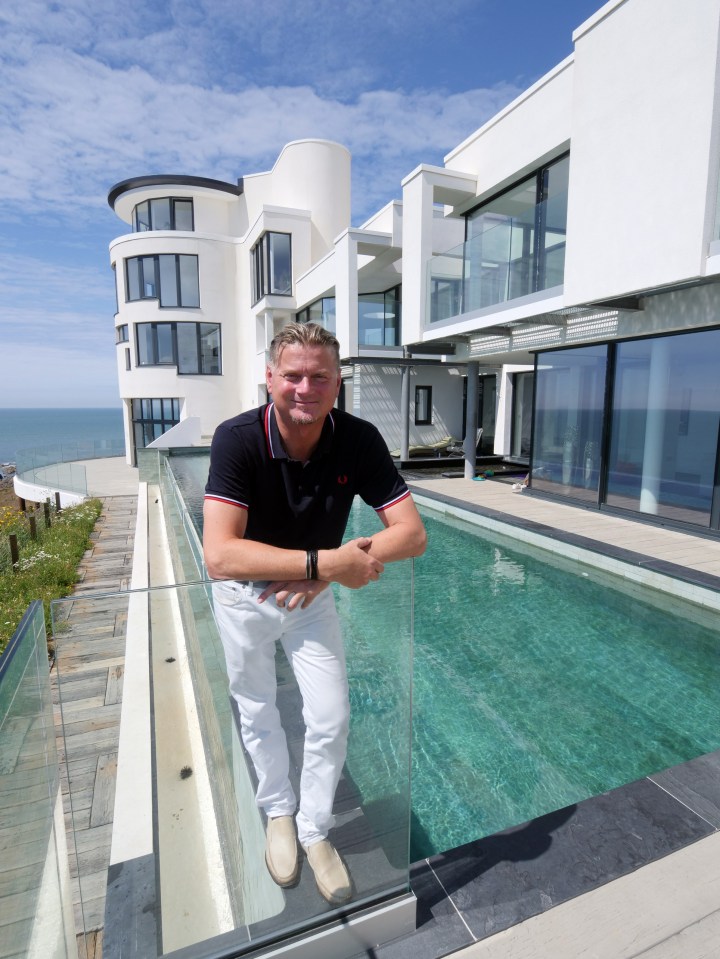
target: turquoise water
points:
(25, 428)
(536, 684)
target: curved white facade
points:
(191, 335)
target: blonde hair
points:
(303, 334)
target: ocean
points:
(25, 428)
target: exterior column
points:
(405, 413)
(416, 251)
(346, 294)
(471, 419)
(655, 425)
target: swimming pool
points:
(537, 682)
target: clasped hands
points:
(350, 565)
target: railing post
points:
(33, 527)
(14, 552)
(46, 511)
(57, 500)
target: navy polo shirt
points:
(296, 506)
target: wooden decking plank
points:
(113, 694)
(88, 683)
(101, 812)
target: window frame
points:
(153, 341)
(262, 266)
(427, 391)
(172, 201)
(139, 278)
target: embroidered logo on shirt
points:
(342, 479)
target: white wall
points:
(376, 397)
(533, 128)
(643, 162)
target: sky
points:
(95, 93)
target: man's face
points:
(304, 384)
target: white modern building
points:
(555, 282)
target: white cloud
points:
(77, 126)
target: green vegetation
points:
(47, 568)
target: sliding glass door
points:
(664, 426)
(649, 443)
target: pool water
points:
(537, 683)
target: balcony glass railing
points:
(58, 465)
(170, 843)
(35, 914)
(508, 259)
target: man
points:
(281, 485)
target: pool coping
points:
(486, 886)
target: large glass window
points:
(192, 347)
(379, 318)
(521, 415)
(567, 435)
(171, 278)
(516, 242)
(153, 417)
(164, 213)
(664, 432)
(272, 265)
(322, 312)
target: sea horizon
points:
(26, 427)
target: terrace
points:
(497, 897)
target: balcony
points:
(511, 257)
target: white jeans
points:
(313, 645)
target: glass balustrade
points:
(510, 257)
(58, 465)
(170, 842)
(35, 903)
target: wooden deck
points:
(87, 692)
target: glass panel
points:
(161, 214)
(488, 412)
(168, 409)
(664, 432)
(193, 786)
(146, 344)
(187, 348)
(522, 414)
(392, 318)
(168, 280)
(189, 286)
(142, 217)
(183, 215)
(134, 287)
(36, 917)
(156, 409)
(512, 251)
(149, 280)
(280, 273)
(555, 223)
(423, 404)
(371, 319)
(165, 343)
(209, 348)
(258, 272)
(569, 404)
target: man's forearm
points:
(249, 559)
